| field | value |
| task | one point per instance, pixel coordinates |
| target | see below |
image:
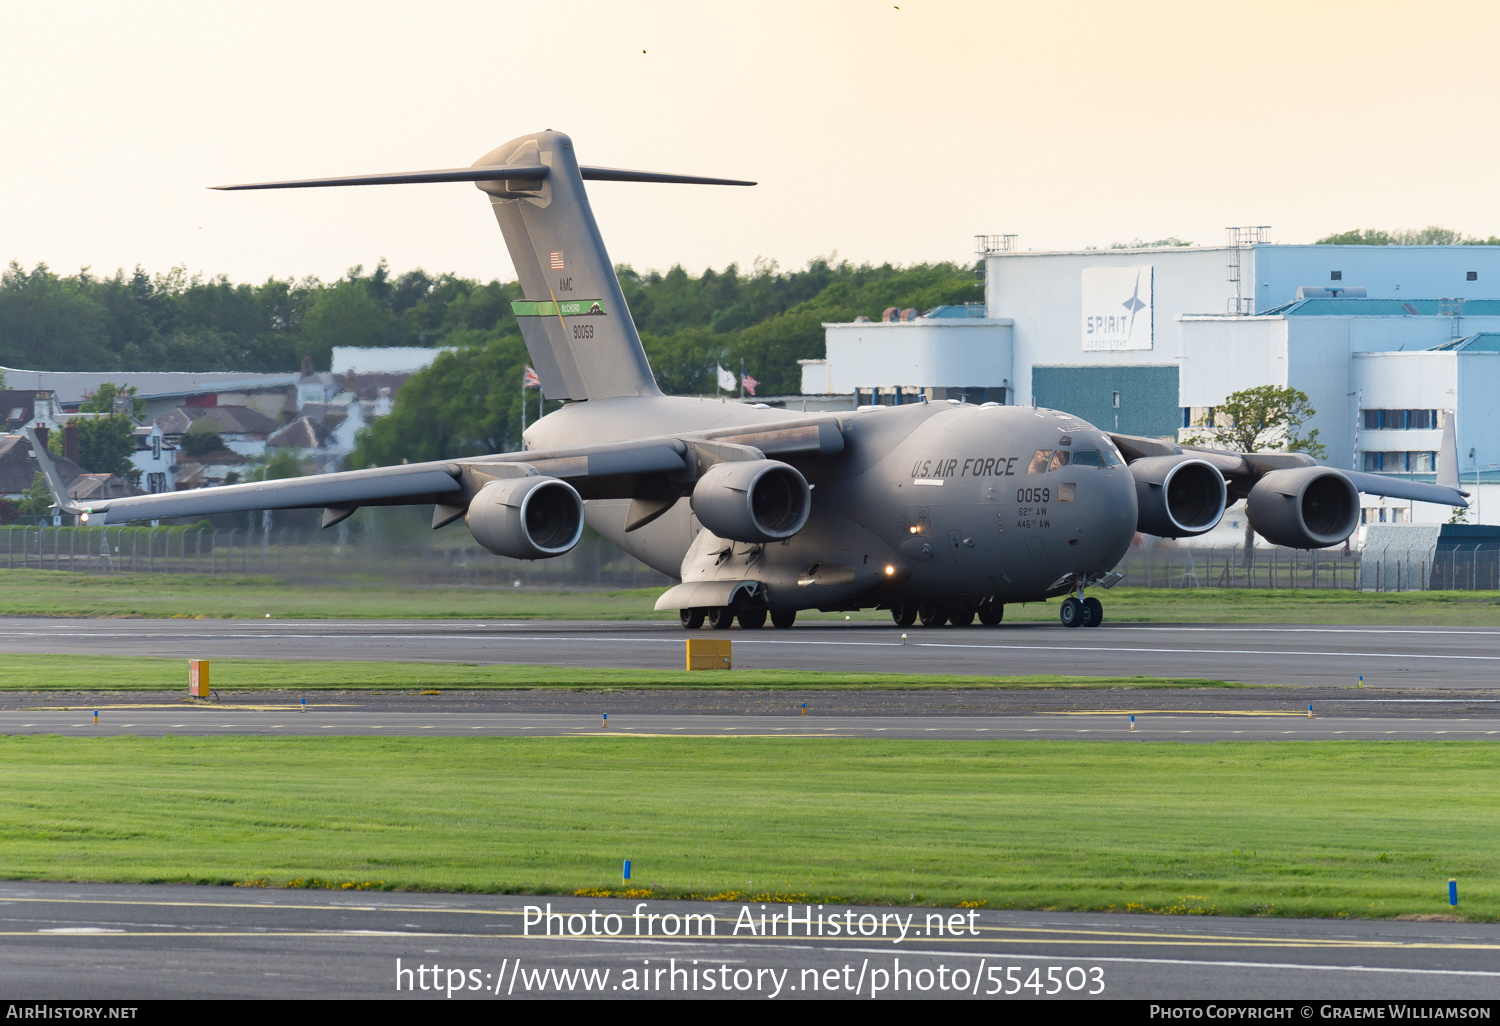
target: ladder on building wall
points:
(1243, 237)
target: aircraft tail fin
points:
(1447, 462)
(577, 328)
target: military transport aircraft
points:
(940, 510)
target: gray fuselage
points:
(928, 503)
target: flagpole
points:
(523, 399)
(742, 377)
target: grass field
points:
(1306, 828)
(144, 673)
(64, 593)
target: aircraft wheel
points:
(783, 618)
(720, 618)
(751, 619)
(991, 613)
(904, 616)
(932, 616)
(1096, 611)
(961, 616)
(1072, 612)
(691, 619)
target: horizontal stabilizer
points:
(494, 173)
(501, 173)
(617, 174)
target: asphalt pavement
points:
(83, 941)
(1310, 656)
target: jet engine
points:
(1304, 508)
(1177, 496)
(752, 500)
(526, 517)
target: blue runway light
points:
(627, 869)
(1453, 893)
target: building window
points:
(1335, 275)
(156, 447)
(1400, 420)
(1416, 461)
(1472, 276)
(156, 483)
(1187, 416)
(1114, 399)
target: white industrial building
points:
(1385, 341)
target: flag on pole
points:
(726, 378)
(531, 380)
(748, 382)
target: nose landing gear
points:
(1081, 612)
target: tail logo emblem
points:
(557, 260)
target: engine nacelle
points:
(1304, 508)
(1177, 496)
(752, 500)
(526, 517)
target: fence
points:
(1167, 566)
(387, 548)
(310, 554)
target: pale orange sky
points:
(879, 133)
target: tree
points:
(1433, 235)
(105, 445)
(1267, 417)
(197, 442)
(103, 401)
(276, 465)
(1263, 418)
(36, 501)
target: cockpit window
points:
(1111, 458)
(1087, 458)
(1060, 458)
(1039, 462)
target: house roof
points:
(17, 405)
(1340, 307)
(302, 433)
(72, 386)
(1481, 342)
(101, 486)
(18, 468)
(226, 420)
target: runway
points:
(1333, 656)
(84, 941)
(326, 718)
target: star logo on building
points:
(1134, 304)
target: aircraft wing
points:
(654, 471)
(1242, 469)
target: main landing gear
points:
(936, 615)
(1076, 612)
(721, 618)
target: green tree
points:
(1433, 235)
(199, 441)
(36, 501)
(103, 401)
(105, 445)
(276, 465)
(1264, 418)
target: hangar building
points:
(1385, 341)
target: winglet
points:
(1447, 464)
(49, 472)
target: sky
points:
(878, 132)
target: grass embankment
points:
(1315, 828)
(64, 593)
(145, 673)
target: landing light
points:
(914, 530)
(84, 516)
(890, 570)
